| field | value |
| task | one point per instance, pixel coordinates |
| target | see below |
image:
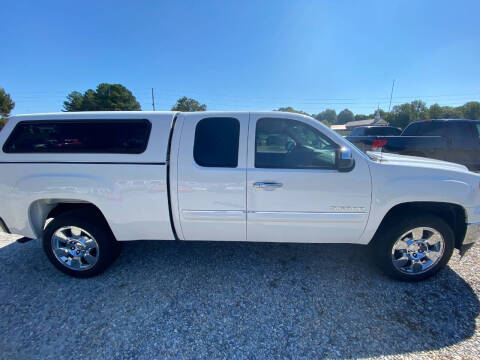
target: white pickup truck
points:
(84, 182)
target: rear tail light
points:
(378, 145)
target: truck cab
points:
(247, 179)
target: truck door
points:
(211, 176)
(294, 191)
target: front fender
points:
(397, 185)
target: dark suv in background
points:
(376, 130)
(455, 140)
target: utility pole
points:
(391, 94)
(153, 101)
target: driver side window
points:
(291, 144)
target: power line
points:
(143, 91)
(30, 99)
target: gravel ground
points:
(234, 300)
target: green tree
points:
(451, 112)
(90, 100)
(471, 110)
(359, 117)
(6, 106)
(329, 115)
(345, 116)
(6, 103)
(404, 114)
(188, 105)
(436, 111)
(74, 101)
(3, 121)
(107, 97)
(420, 109)
(292, 110)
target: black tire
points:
(109, 248)
(393, 229)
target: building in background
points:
(341, 129)
(376, 121)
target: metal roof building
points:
(376, 121)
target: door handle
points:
(267, 185)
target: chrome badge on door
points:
(347, 208)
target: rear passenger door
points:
(211, 176)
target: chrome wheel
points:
(75, 248)
(418, 250)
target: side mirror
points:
(344, 159)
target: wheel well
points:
(42, 210)
(453, 214)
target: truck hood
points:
(395, 159)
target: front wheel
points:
(414, 248)
(78, 244)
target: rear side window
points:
(432, 129)
(358, 132)
(426, 128)
(85, 136)
(216, 142)
(461, 130)
(411, 130)
(476, 132)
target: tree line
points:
(116, 97)
(6, 106)
(400, 115)
(106, 97)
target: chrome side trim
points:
(218, 215)
(306, 217)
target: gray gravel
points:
(234, 300)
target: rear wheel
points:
(414, 248)
(79, 244)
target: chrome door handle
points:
(267, 185)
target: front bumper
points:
(471, 236)
(3, 226)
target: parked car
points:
(235, 176)
(452, 140)
(376, 131)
